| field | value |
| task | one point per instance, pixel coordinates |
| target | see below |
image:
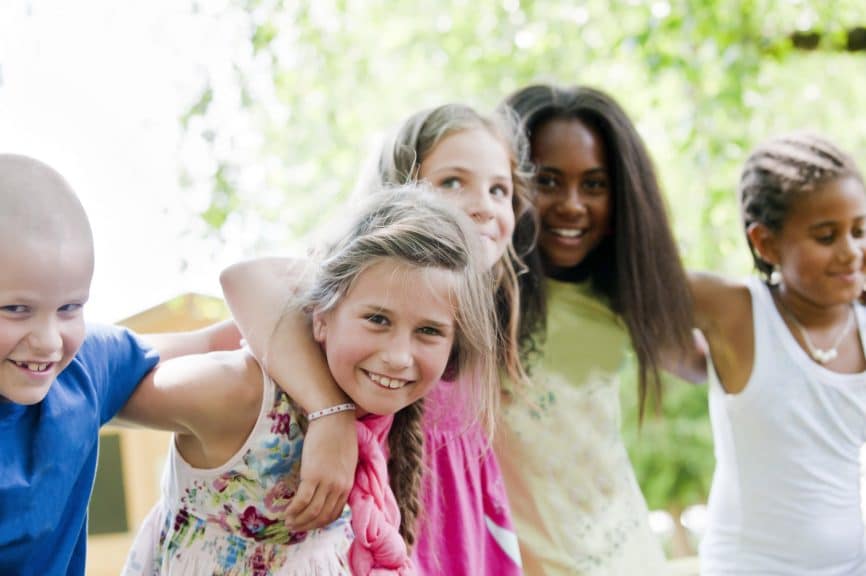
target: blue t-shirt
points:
(48, 454)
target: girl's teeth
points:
(567, 233)
(387, 382)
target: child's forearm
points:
(258, 293)
(220, 336)
(689, 364)
(316, 389)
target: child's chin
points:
(382, 409)
(26, 398)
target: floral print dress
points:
(230, 520)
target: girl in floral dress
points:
(391, 303)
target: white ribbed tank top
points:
(786, 490)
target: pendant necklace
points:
(820, 356)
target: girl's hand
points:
(327, 472)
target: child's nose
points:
(571, 204)
(850, 248)
(480, 207)
(398, 355)
(45, 339)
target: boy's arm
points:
(198, 395)
(220, 336)
(258, 293)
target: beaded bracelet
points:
(316, 414)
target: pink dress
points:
(465, 525)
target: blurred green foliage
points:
(314, 83)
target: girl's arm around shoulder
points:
(214, 397)
(691, 364)
(723, 313)
(259, 294)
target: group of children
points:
(435, 390)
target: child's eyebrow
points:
(442, 325)
(452, 168)
(461, 169)
(819, 226)
(600, 170)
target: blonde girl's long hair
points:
(412, 226)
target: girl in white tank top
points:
(788, 389)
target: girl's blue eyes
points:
(456, 184)
(377, 319)
(380, 320)
(14, 309)
(450, 184)
(499, 191)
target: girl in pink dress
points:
(466, 523)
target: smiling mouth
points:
(567, 232)
(38, 367)
(386, 382)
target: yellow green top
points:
(576, 505)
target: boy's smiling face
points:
(46, 264)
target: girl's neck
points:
(809, 313)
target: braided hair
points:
(778, 173)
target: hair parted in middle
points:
(400, 162)
(779, 172)
(413, 226)
(637, 267)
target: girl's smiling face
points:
(820, 249)
(574, 198)
(473, 169)
(389, 338)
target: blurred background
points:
(199, 133)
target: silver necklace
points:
(819, 355)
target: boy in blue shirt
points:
(59, 379)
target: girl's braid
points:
(406, 466)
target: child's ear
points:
(764, 241)
(320, 326)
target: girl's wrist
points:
(330, 410)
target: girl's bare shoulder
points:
(719, 300)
